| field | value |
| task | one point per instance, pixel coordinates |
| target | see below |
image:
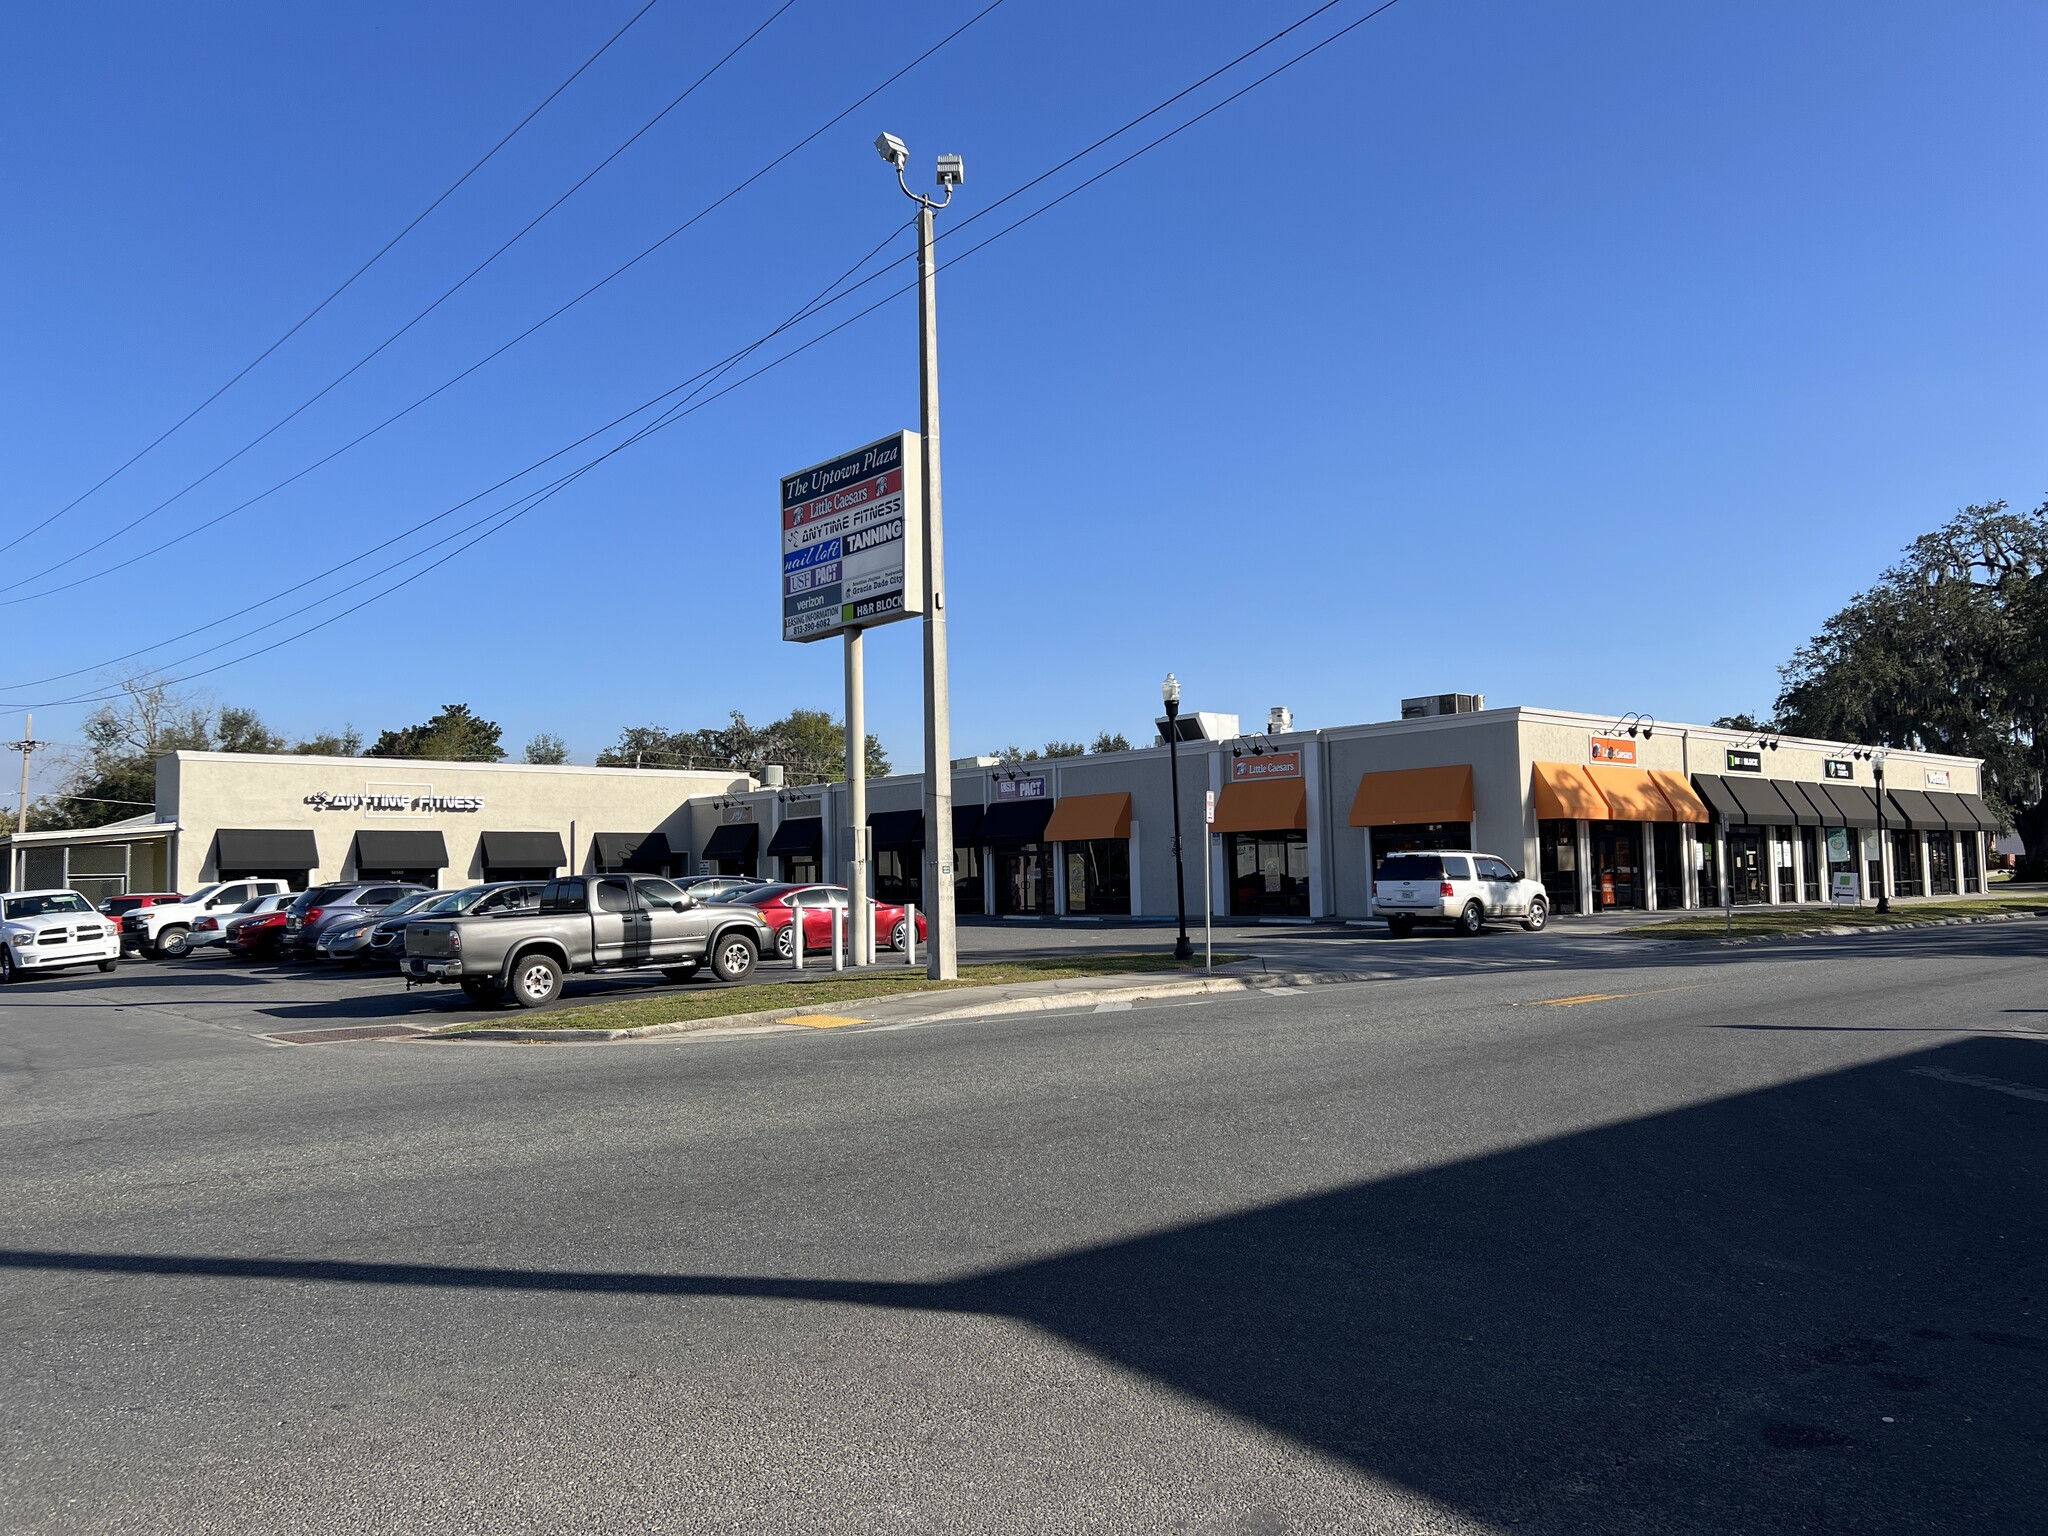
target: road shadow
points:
(1818, 1306)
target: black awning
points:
(799, 837)
(898, 829)
(646, 853)
(1809, 802)
(1762, 805)
(389, 848)
(1910, 808)
(1953, 813)
(1720, 799)
(250, 849)
(967, 825)
(523, 850)
(1974, 804)
(1009, 822)
(734, 840)
(1854, 805)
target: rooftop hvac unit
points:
(1279, 720)
(1200, 725)
(1442, 704)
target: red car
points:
(777, 903)
(256, 937)
(118, 907)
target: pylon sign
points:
(853, 540)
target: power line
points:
(616, 272)
(347, 283)
(449, 293)
(686, 408)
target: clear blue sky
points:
(1582, 355)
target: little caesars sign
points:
(853, 541)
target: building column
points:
(1137, 872)
(1583, 833)
(1647, 830)
(1319, 902)
(1799, 865)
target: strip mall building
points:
(1671, 817)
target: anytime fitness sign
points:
(419, 805)
(853, 540)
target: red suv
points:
(117, 907)
(778, 903)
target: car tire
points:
(1471, 920)
(536, 981)
(1400, 927)
(899, 935)
(175, 942)
(785, 941)
(680, 972)
(1539, 916)
(733, 956)
(484, 994)
(107, 967)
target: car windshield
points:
(410, 903)
(1411, 866)
(758, 893)
(249, 906)
(48, 904)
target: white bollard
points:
(796, 935)
(839, 938)
(910, 934)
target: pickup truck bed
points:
(584, 924)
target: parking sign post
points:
(1208, 863)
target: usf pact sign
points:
(853, 540)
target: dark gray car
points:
(387, 939)
(327, 905)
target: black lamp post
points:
(1884, 900)
(1170, 692)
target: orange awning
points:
(1084, 818)
(1685, 805)
(1631, 794)
(1566, 792)
(1413, 796)
(1272, 806)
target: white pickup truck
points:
(165, 929)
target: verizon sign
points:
(853, 540)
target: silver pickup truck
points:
(590, 923)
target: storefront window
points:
(968, 885)
(1941, 864)
(1905, 852)
(1099, 875)
(1706, 863)
(1024, 880)
(1668, 843)
(1972, 879)
(1269, 874)
(1809, 852)
(1840, 844)
(1558, 863)
(1781, 861)
(1419, 837)
(899, 875)
(1617, 849)
(803, 867)
(1747, 871)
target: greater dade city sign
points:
(853, 540)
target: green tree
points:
(1015, 754)
(348, 743)
(1058, 748)
(1948, 652)
(809, 743)
(1111, 741)
(1744, 722)
(547, 747)
(241, 730)
(454, 735)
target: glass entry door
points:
(1269, 874)
(1669, 845)
(1748, 873)
(1024, 880)
(1617, 849)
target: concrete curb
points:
(1836, 930)
(770, 1021)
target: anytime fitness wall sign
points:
(420, 805)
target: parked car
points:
(163, 929)
(257, 936)
(319, 909)
(777, 903)
(118, 907)
(210, 930)
(584, 923)
(386, 940)
(348, 938)
(715, 887)
(50, 930)
(1459, 889)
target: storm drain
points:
(346, 1032)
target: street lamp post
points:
(943, 946)
(1884, 853)
(1170, 692)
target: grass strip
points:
(710, 1004)
(1749, 924)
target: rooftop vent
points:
(1279, 720)
(1442, 704)
(1200, 725)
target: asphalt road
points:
(1541, 1233)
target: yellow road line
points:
(1607, 997)
(821, 1020)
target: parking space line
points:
(1969, 1080)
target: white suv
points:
(1461, 889)
(166, 929)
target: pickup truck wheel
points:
(680, 972)
(106, 967)
(536, 981)
(9, 971)
(174, 943)
(733, 957)
(485, 994)
(1472, 919)
(1400, 927)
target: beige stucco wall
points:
(209, 791)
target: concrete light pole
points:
(943, 943)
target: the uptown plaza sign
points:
(399, 804)
(853, 540)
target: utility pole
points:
(943, 944)
(25, 746)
